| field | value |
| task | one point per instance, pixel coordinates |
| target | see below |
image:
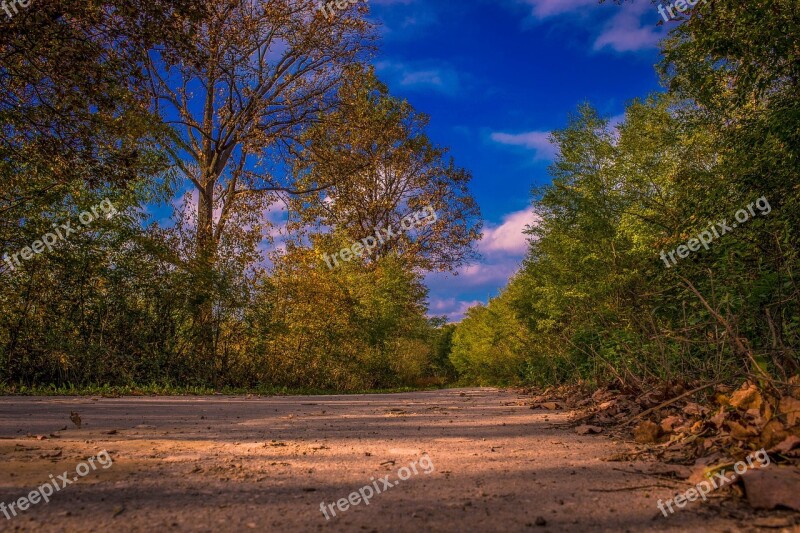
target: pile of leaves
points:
(702, 428)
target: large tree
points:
(259, 74)
(382, 167)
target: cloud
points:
(538, 141)
(490, 272)
(452, 308)
(625, 33)
(503, 247)
(621, 31)
(508, 237)
(548, 8)
(421, 76)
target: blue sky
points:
(495, 78)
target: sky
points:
(495, 77)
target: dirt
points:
(484, 461)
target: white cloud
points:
(538, 141)
(451, 308)
(420, 76)
(622, 31)
(625, 32)
(508, 237)
(548, 8)
(503, 247)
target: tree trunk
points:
(206, 259)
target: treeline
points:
(199, 121)
(599, 299)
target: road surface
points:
(456, 460)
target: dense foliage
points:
(198, 121)
(595, 300)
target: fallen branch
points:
(669, 402)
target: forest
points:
(240, 144)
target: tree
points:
(257, 75)
(382, 168)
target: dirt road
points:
(482, 461)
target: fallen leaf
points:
(693, 409)
(606, 405)
(669, 423)
(747, 397)
(740, 432)
(788, 444)
(719, 418)
(588, 430)
(772, 433)
(51, 455)
(647, 432)
(791, 408)
(701, 468)
(795, 391)
(771, 488)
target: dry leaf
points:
(741, 432)
(545, 405)
(773, 433)
(588, 430)
(795, 390)
(647, 432)
(669, 423)
(719, 418)
(788, 444)
(771, 488)
(791, 408)
(693, 409)
(606, 405)
(747, 397)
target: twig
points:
(738, 343)
(657, 476)
(669, 402)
